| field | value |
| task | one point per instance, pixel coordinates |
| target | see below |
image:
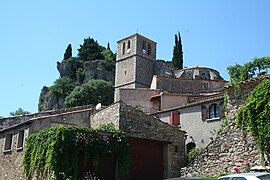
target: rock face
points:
(67, 68)
(49, 101)
(96, 70)
(89, 70)
(232, 146)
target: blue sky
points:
(35, 34)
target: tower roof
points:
(138, 35)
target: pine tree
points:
(177, 59)
(90, 50)
(68, 52)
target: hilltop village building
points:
(165, 112)
(189, 98)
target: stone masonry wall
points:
(232, 146)
(107, 115)
(10, 161)
(136, 123)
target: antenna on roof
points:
(98, 106)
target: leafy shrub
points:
(80, 73)
(193, 154)
(92, 92)
(62, 86)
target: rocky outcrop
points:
(98, 70)
(68, 68)
(80, 73)
(49, 101)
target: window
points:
(149, 49)
(143, 45)
(213, 111)
(8, 142)
(224, 178)
(128, 46)
(175, 118)
(175, 149)
(124, 48)
(238, 178)
(20, 139)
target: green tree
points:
(68, 52)
(108, 55)
(92, 92)
(19, 112)
(240, 73)
(62, 86)
(177, 59)
(90, 50)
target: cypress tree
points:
(177, 59)
(68, 52)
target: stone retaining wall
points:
(232, 146)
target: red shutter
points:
(171, 118)
(174, 118)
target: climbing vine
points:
(255, 115)
(53, 153)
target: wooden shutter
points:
(175, 118)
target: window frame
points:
(20, 140)
(8, 143)
(213, 111)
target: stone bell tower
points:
(135, 60)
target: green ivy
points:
(53, 152)
(255, 115)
